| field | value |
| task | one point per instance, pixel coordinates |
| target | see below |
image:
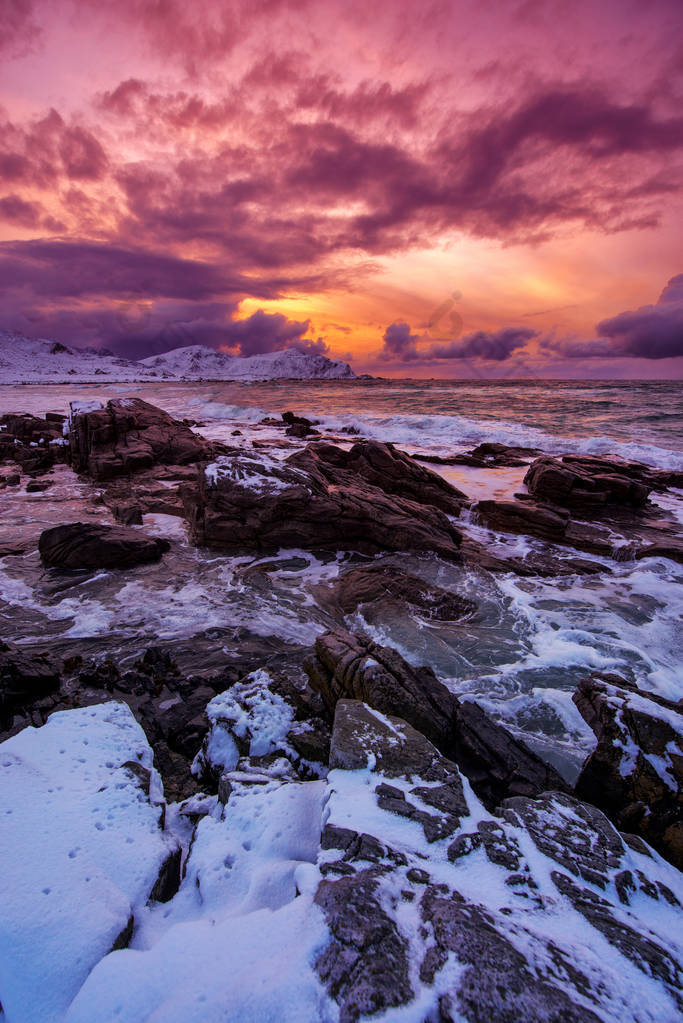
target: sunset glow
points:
(336, 170)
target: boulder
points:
(389, 589)
(89, 545)
(323, 498)
(585, 483)
(497, 764)
(635, 774)
(128, 435)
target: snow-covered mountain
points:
(200, 363)
(40, 361)
(31, 361)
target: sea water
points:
(520, 654)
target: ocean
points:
(520, 654)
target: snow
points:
(198, 362)
(80, 847)
(262, 474)
(42, 361)
(35, 361)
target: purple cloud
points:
(495, 346)
(400, 342)
(650, 332)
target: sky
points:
(448, 189)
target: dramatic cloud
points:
(651, 332)
(400, 343)
(496, 346)
(279, 149)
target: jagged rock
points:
(588, 483)
(298, 426)
(128, 435)
(383, 466)
(370, 499)
(89, 545)
(390, 589)
(497, 764)
(507, 925)
(23, 680)
(636, 772)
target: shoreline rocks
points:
(88, 545)
(370, 499)
(635, 774)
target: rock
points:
(89, 545)
(36, 487)
(13, 479)
(23, 680)
(508, 924)
(127, 514)
(389, 589)
(82, 847)
(635, 774)
(298, 426)
(383, 466)
(584, 483)
(323, 498)
(497, 764)
(488, 455)
(253, 730)
(128, 435)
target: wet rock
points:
(488, 455)
(129, 435)
(87, 545)
(323, 498)
(23, 680)
(585, 483)
(37, 487)
(389, 589)
(497, 764)
(298, 426)
(635, 774)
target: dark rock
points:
(365, 967)
(129, 435)
(389, 589)
(36, 487)
(88, 545)
(324, 498)
(635, 774)
(23, 680)
(13, 480)
(168, 881)
(497, 764)
(585, 483)
(488, 455)
(127, 514)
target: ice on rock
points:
(81, 847)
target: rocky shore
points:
(330, 823)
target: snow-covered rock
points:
(200, 363)
(36, 361)
(81, 850)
